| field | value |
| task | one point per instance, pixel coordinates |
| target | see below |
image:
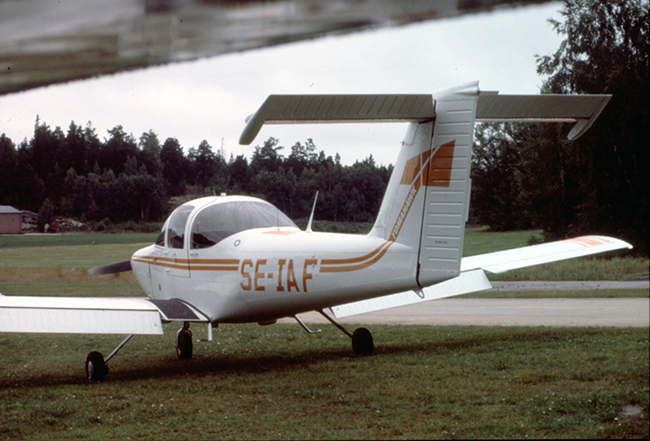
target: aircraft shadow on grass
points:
(209, 365)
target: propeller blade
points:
(113, 268)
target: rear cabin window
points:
(176, 227)
(216, 222)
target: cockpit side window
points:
(219, 221)
(176, 228)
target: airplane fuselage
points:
(239, 259)
(263, 274)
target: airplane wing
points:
(502, 261)
(92, 315)
(472, 277)
(45, 43)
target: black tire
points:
(184, 344)
(362, 342)
(96, 368)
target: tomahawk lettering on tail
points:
(236, 259)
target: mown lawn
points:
(279, 382)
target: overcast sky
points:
(210, 99)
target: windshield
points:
(219, 221)
(176, 228)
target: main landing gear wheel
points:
(184, 343)
(362, 342)
(96, 368)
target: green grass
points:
(561, 294)
(73, 239)
(279, 382)
(481, 240)
(585, 268)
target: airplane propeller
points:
(112, 268)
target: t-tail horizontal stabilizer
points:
(581, 109)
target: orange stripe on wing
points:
(587, 241)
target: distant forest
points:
(75, 174)
(523, 176)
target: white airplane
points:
(237, 259)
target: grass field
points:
(279, 382)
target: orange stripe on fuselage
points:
(191, 264)
(353, 259)
(355, 263)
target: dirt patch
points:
(631, 412)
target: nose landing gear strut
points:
(184, 342)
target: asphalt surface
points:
(619, 312)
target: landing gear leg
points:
(362, 342)
(184, 342)
(96, 364)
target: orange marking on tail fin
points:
(411, 170)
(439, 171)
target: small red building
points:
(11, 220)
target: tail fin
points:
(427, 198)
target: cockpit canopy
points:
(213, 219)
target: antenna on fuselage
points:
(311, 216)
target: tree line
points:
(531, 176)
(126, 179)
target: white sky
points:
(210, 99)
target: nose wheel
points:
(184, 342)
